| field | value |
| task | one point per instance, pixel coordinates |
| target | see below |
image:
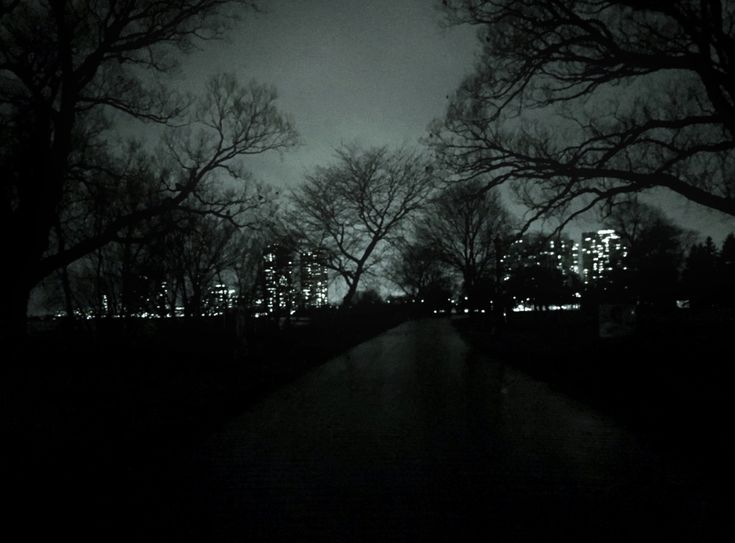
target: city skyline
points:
(297, 279)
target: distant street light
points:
(498, 303)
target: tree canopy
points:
(462, 225)
(350, 208)
(575, 102)
(71, 73)
(656, 248)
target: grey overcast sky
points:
(372, 71)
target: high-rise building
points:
(541, 272)
(278, 272)
(314, 279)
(220, 298)
(535, 250)
(603, 253)
(563, 254)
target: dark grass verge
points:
(98, 426)
(670, 381)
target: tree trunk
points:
(28, 224)
(354, 279)
(68, 297)
(195, 301)
(469, 283)
(23, 247)
(13, 305)
(64, 272)
(351, 290)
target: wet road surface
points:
(414, 435)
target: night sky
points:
(376, 72)
(368, 71)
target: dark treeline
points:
(576, 103)
(708, 277)
(74, 74)
(171, 225)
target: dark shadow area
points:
(98, 417)
(668, 380)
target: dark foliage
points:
(575, 102)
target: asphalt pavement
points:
(415, 436)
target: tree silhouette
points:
(350, 209)
(700, 275)
(575, 102)
(539, 285)
(709, 275)
(655, 251)
(727, 271)
(415, 269)
(538, 275)
(71, 72)
(461, 224)
(173, 259)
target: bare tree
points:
(700, 277)
(541, 270)
(415, 269)
(575, 102)
(350, 209)
(228, 122)
(461, 225)
(199, 255)
(656, 251)
(150, 267)
(248, 267)
(68, 70)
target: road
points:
(414, 435)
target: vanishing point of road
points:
(414, 435)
